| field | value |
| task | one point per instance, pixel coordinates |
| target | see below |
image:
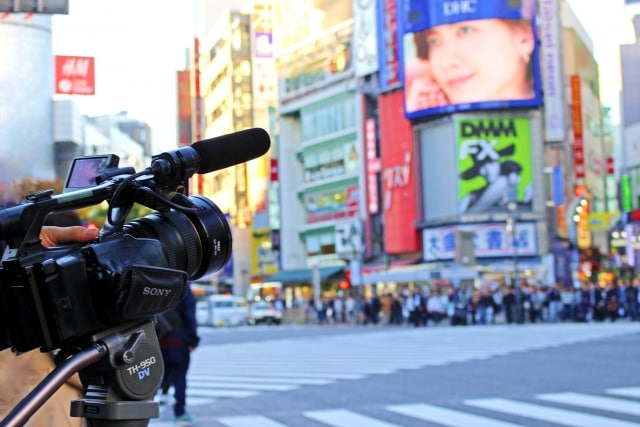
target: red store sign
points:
(75, 75)
(578, 142)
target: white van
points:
(222, 310)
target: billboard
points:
(489, 240)
(184, 108)
(388, 49)
(494, 165)
(75, 75)
(578, 135)
(552, 78)
(399, 182)
(463, 55)
(364, 37)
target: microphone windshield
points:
(231, 149)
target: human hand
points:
(421, 90)
(53, 236)
(425, 93)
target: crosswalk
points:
(619, 412)
(245, 369)
(496, 412)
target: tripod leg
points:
(43, 391)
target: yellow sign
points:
(601, 220)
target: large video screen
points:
(464, 55)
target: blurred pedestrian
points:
(176, 352)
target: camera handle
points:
(116, 390)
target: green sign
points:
(625, 189)
(494, 165)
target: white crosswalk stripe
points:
(344, 418)
(565, 412)
(627, 392)
(597, 402)
(447, 417)
(554, 415)
(249, 368)
(249, 421)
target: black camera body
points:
(100, 298)
(61, 297)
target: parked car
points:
(222, 310)
(264, 312)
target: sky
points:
(139, 45)
(608, 23)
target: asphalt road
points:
(309, 376)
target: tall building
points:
(42, 133)
(630, 167)
(550, 161)
(379, 194)
(26, 108)
(236, 76)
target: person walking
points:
(176, 350)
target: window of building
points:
(320, 244)
(327, 119)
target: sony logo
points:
(156, 291)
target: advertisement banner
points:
(552, 78)
(489, 240)
(399, 194)
(372, 166)
(388, 46)
(332, 204)
(577, 126)
(316, 64)
(494, 165)
(364, 37)
(184, 108)
(75, 75)
(462, 55)
(264, 258)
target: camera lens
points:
(198, 243)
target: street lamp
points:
(512, 207)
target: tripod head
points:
(120, 371)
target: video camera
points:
(70, 297)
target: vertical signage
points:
(388, 54)
(364, 37)
(184, 108)
(196, 115)
(578, 142)
(373, 165)
(552, 77)
(399, 193)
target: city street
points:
(309, 376)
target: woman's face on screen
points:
(481, 60)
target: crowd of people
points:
(490, 303)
